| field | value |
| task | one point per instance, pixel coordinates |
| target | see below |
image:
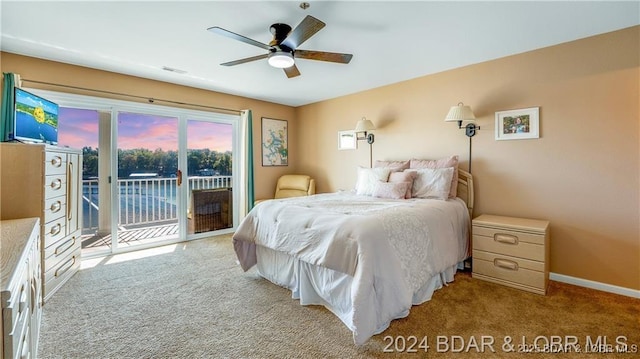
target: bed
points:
(366, 259)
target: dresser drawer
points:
(513, 243)
(13, 314)
(16, 340)
(55, 186)
(55, 163)
(54, 231)
(53, 254)
(56, 276)
(54, 208)
(510, 269)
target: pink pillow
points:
(441, 163)
(391, 190)
(394, 165)
(406, 177)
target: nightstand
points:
(511, 251)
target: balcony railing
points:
(143, 201)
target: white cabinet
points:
(20, 287)
(45, 181)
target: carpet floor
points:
(192, 300)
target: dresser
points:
(20, 293)
(511, 251)
(45, 181)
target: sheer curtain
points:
(247, 196)
(11, 80)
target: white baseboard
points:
(634, 293)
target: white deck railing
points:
(143, 200)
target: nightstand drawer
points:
(508, 235)
(511, 243)
(510, 269)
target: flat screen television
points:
(36, 118)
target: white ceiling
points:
(390, 41)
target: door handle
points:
(179, 174)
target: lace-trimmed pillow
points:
(391, 190)
(432, 183)
(369, 177)
(441, 163)
(407, 177)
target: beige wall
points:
(59, 73)
(582, 174)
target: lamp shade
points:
(460, 112)
(364, 125)
(281, 59)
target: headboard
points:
(465, 189)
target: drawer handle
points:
(33, 296)
(56, 161)
(55, 229)
(23, 299)
(506, 264)
(66, 266)
(25, 347)
(66, 245)
(69, 172)
(55, 206)
(56, 184)
(505, 238)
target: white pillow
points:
(369, 177)
(432, 183)
(392, 190)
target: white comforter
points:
(392, 248)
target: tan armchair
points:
(294, 186)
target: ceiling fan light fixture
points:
(281, 59)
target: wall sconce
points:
(460, 113)
(363, 132)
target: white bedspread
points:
(392, 248)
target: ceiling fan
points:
(283, 49)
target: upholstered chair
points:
(294, 186)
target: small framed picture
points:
(518, 124)
(347, 140)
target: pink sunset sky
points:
(79, 128)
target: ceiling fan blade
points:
(323, 56)
(245, 60)
(233, 35)
(307, 28)
(291, 71)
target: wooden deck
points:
(130, 237)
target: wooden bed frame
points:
(465, 189)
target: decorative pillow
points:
(368, 177)
(441, 163)
(392, 190)
(432, 183)
(394, 165)
(406, 177)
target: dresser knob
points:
(56, 184)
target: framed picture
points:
(518, 124)
(275, 145)
(347, 140)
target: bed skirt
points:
(314, 285)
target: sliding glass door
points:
(151, 174)
(209, 176)
(148, 179)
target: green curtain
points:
(250, 185)
(8, 115)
